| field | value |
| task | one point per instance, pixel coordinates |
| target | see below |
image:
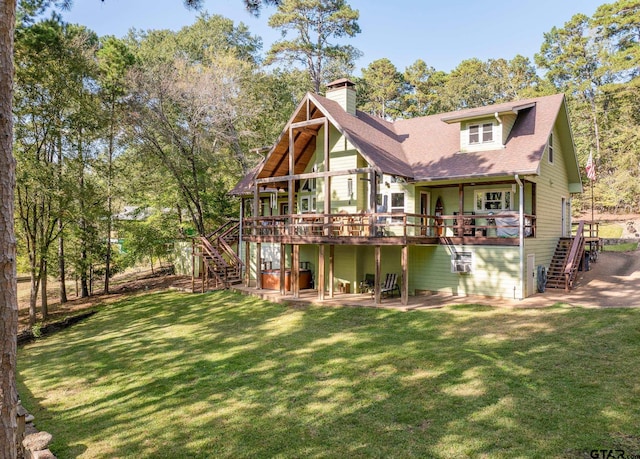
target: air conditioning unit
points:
(462, 268)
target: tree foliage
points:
(381, 88)
(190, 114)
(595, 62)
(313, 24)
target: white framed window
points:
(307, 204)
(487, 132)
(480, 133)
(550, 148)
(492, 200)
(309, 185)
(461, 262)
(397, 203)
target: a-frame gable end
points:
(568, 148)
(345, 133)
(276, 162)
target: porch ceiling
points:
(277, 162)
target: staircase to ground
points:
(222, 264)
(563, 269)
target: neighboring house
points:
(469, 202)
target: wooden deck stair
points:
(564, 265)
(220, 260)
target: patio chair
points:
(390, 285)
(366, 285)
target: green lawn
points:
(610, 230)
(624, 247)
(176, 375)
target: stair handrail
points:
(577, 244)
(234, 228)
(217, 239)
(226, 248)
(210, 250)
(222, 228)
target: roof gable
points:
(428, 148)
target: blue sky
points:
(442, 33)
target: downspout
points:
(521, 234)
(240, 230)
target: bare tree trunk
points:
(44, 301)
(8, 286)
(33, 292)
(83, 226)
(84, 281)
(61, 260)
(107, 269)
(61, 266)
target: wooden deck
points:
(387, 229)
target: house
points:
(470, 202)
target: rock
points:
(37, 441)
(30, 429)
(29, 418)
(43, 454)
(22, 411)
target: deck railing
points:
(388, 225)
(590, 230)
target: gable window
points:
(480, 133)
(461, 262)
(309, 185)
(551, 148)
(490, 200)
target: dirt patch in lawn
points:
(131, 283)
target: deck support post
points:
(460, 221)
(378, 296)
(295, 271)
(372, 191)
(283, 269)
(205, 273)
(326, 231)
(193, 265)
(258, 265)
(404, 289)
(247, 264)
(320, 285)
(331, 269)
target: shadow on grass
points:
(222, 375)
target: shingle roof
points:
(373, 137)
(432, 146)
(428, 148)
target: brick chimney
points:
(343, 91)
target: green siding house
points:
(468, 203)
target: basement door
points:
(531, 274)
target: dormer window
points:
(480, 133)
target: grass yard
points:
(176, 375)
(624, 247)
(610, 230)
